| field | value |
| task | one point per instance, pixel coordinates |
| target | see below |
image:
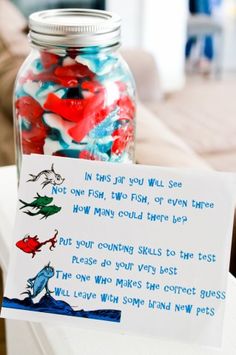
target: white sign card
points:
(126, 248)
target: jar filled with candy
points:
(74, 95)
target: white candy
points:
(89, 63)
(105, 140)
(34, 89)
(31, 88)
(51, 146)
(68, 61)
(99, 69)
(112, 93)
(57, 122)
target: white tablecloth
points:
(34, 338)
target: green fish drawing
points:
(45, 211)
(39, 201)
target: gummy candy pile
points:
(79, 105)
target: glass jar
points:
(74, 94)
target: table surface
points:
(53, 339)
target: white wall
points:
(229, 22)
(164, 34)
(158, 26)
(130, 12)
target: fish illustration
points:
(50, 177)
(40, 282)
(45, 211)
(32, 245)
(39, 201)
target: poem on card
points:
(122, 247)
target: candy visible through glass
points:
(79, 105)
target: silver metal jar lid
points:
(74, 28)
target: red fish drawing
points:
(32, 245)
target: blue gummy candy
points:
(55, 135)
(104, 148)
(38, 65)
(25, 125)
(106, 127)
(98, 65)
(20, 92)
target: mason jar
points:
(74, 95)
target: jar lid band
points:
(74, 28)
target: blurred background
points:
(183, 56)
(187, 47)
